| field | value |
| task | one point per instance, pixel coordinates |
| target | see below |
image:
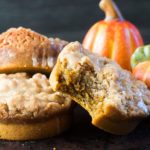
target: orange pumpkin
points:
(142, 72)
(113, 37)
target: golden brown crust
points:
(22, 49)
(33, 131)
(112, 121)
(115, 127)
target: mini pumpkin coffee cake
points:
(29, 109)
(22, 49)
(116, 101)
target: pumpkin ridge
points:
(99, 49)
(116, 37)
(90, 39)
(132, 41)
(136, 34)
(129, 48)
(108, 42)
(113, 39)
(121, 57)
(95, 35)
(113, 51)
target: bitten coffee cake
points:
(116, 101)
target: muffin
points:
(29, 108)
(116, 101)
(22, 49)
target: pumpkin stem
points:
(111, 10)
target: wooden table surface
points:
(83, 136)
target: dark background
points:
(68, 19)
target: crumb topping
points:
(24, 97)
